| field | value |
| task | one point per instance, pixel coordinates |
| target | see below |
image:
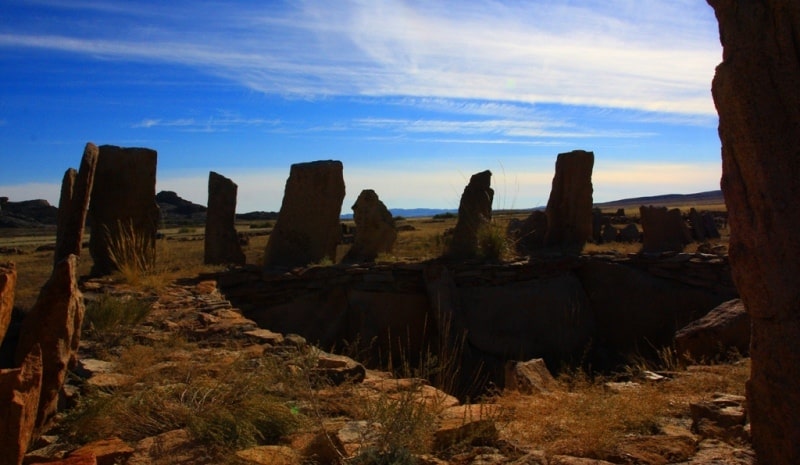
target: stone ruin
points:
(375, 229)
(663, 230)
(569, 209)
(308, 230)
(222, 246)
(756, 93)
(123, 212)
(474, 213)
(73, 205)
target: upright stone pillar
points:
(569, 209)
(221, 241)
(757, 94)
(663, 230)
(375, 230)
(73, 205)
(123, 211)
(474, 213)
(8, 282)
(308, 226)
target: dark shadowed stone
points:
(629, 233)
(123, 211)
(757, 96)
(308, 230)
(375, 230)
(663, 230)
(531, 377)
(528, 234)
(73, 205)
(712, 337)
(698, 228)
(54, 323)
(609, 233)
(569, 209)
(474, 212)
(8, 282)
(221, 242)
(19, 401)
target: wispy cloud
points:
(212, 124)
(651, 55)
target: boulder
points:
(629, 233)
(375, 229)
(528, 234)
(723, 417)
(698, 227)
(270, 455)
(466, 424)
(474, 213)
(222, 243)
(19, 401)
(531, 377)
(123, 211)
(73, 205)
(106, 451)
(663, 230)
(54, 323)
(756, 94)
(608, 234)
(569, 208)
(712, 337)
(307, 230)
(8, 282)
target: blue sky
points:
(412, 96)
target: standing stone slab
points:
(663, 230)
(222, 243)
(308, 230)
(375, 229)
(54, 323)
(569, 209)
(73, 205)
(757, 95)
(8, 282)
(474, 213)
(123, 210)
(20, 389)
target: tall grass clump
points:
(131, 252)
(108, 317)
(493, 244)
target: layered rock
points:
(375, 228)
(307, 230)
(8, 282)
(54, 323)
(474, 213)
(663, 230)
(19, 402)
(723, 329)
(123, 211)
(222, 242)
(756, 94)
(569, 208)
(73, 205)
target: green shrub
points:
(107, 317)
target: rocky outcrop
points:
(123, 212)
(569, 208)
(531, 377)
(724, 329)
(54, 323)
(307, 230)
(73, 204)
(528, 235)
(663, 230)
(222, 242)
(474, 213)
(27, 214)
(375, 228)
(19, 401)
(175, 208)
(8, 282)
(756, 94)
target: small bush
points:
(186, 230)
(493, 243)
(108, 316)
(445, 216)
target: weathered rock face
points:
(474, 212)
(569, 209)
(663, 230)
(74, 203)
(307, 229)
(123, 211)
(375, 229)
(19, 401)
(528, 234)
(54, 323)
(8, 282)
(756, 94)
(725, 328)
(222, 243)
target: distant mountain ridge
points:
(700, 198)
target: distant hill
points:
(27, 214)
(411, 212)
(700, 198)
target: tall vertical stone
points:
(757, 95)
(569, 209)
(474, 213)
(375, 230)
(663, 230)
(123, 211)
(73, 205)
(54, 324)
(8, 282)
(222, 243)
(20, 389)
(308, 227)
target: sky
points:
(412, 96)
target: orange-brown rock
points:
(54, 323)
(222, 242)
(757, 95)
(73, 204)
(123, 210)
(72, 460)
(569, 208)
(106, 451)
(375, 230)
(663, 230)
(308, 230)
(474, 213)
(8, 282)
(19, 401)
